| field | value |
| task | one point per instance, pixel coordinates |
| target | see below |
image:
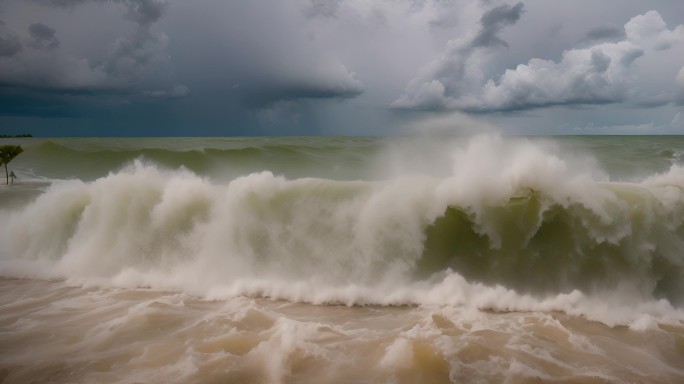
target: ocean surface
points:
(481, 259)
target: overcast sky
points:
(340, 67)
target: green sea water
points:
(338, 158)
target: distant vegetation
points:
(7, 153)
(11, 136)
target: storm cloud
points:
(303, 67)
(143, 12)
(458, 69)
(136, 62)
(493, 21)
(9, 41)
(599, 74)
(43, 36)
(277, 58)
(604, 33)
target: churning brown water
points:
(51, 332)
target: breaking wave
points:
(513, 227)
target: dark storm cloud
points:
(259, 65)
(137, 57)
(274, 52)
(493, 21)
(9, 41)
(261, 98)
(41, 79)
(314, 80)
(323, 8)
(257, 93)
(143, 12)
(39, 63)
(130, 53)
(604, 33)
(43, 36)
(38, 103)
(267, 62)
(137, 63)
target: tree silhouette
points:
(7, 153)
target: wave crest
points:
(520, 230)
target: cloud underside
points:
(599, 74)
(324, 81)
(267, 96)
(139, 63)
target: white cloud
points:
(650, 31)
(583, 76)
(459, 69)
(602, 73)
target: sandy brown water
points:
(53, 332)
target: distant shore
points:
(15, 136)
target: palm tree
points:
(7, 153)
